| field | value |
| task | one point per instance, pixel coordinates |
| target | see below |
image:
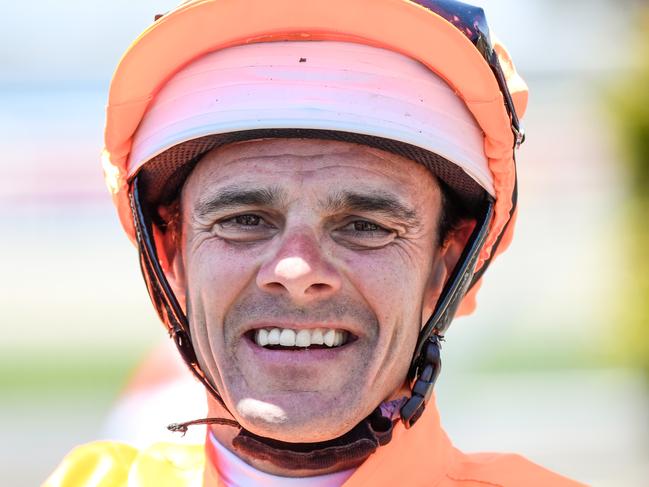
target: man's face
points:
(293, 234)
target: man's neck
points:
(224, 468)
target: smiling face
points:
(330, 249)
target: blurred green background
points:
(630, 106)
(555, 362)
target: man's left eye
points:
(364, 234)
(365, 226)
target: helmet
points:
(449, 38)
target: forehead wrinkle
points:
(258, 155)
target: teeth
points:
(273, 336)
(303, 338)
(262, 337)
(329, 338)
(287, 338)
(316, 337)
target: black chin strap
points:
(341, 453)
(426, 363)
(346, 451)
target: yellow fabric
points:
(112, 464)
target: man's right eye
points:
(247, 220)
(245, 227)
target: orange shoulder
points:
(502, 470)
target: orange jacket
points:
(421, 456)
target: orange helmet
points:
(449, 38)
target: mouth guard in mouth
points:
(276, 338)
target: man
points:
(315, 189)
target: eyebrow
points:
(232, 197)
(384, 203)
(235, 196)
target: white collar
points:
(234, 472)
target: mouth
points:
(275, 338)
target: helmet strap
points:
(341, 453)
(162, 296)
(426, 363)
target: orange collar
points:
(423, 452)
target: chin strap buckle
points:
(431, 365)
(519, 136)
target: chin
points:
(293, 422)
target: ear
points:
(445, 259)
(169, 247)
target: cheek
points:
(392, 282)
(216, 275)
(216, 262)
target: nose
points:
(300, 270)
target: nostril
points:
(318, 287)
(274, 287)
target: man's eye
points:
(364, 234)
(247, 220)
(246, 227)
(365, 226)
(364, 230)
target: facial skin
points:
(300, 233)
